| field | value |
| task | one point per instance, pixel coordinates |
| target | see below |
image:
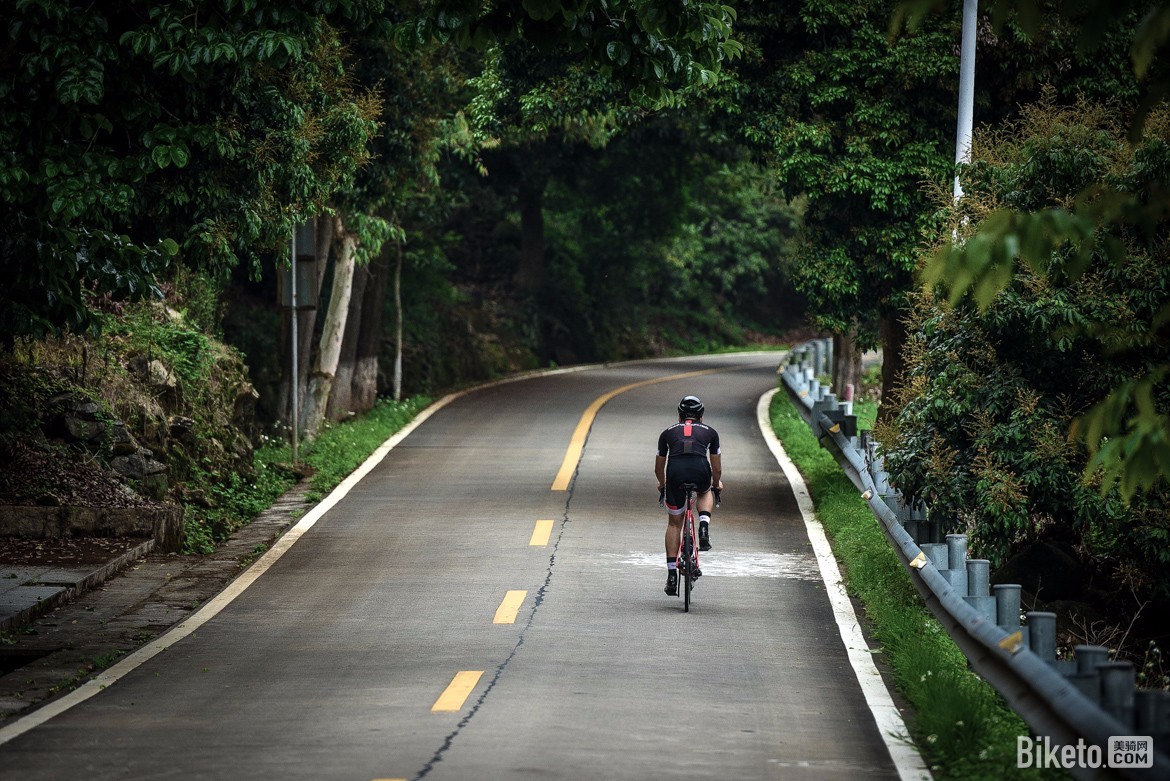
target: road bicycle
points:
(687, 557)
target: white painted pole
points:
(966, 89)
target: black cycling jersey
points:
(687, 447)
(689, 438)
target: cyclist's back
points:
(688, 452)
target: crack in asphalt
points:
(449, 741)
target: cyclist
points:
(688, 452)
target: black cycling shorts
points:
(685, 469)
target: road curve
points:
(425, 628)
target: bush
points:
(982, 430)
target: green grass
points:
(331, 457)
(960, 724)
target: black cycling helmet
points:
(690, 407)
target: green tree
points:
(853, 121)
(137, 132)
(862, 123)
(992, 391)
(1128, 436)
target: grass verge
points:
(961, 725)
(331, 457)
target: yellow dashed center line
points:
(506, 612)
(541, 533)
(456, 693)
(577, 442)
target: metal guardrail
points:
(1082, 702)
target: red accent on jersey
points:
(687, 431)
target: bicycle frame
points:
(687, 555)
(687, 559)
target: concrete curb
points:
(40, 606)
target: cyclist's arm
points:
(717, 471)
(660, 470)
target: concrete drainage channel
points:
(1086, 701)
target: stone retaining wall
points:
(164, 524)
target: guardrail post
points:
(978, 575)
(956, 573)
(1087, 678)
(928, 529)
(1117, 691)
(1042, 634)
(936, 553)
(910, 524)
(1007, 606)
(1151, 714)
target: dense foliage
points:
(136, 132)
(854, 120)
(983, 426)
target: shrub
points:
(982, 430)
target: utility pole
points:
(298, 291)
(293, 313)
(966, 89)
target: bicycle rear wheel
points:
(688, 551)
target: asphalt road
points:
(336, 663)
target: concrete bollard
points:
(957, 562)
(1118, 683)
(1154, 709)
(978, 572)
(936, 554)
(1042, 634)
(1146, 719)
(1088, 685)
(978, 575)
(1007, 606)
(1086, 677)
(1089, 658)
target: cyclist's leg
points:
(674, 522)
(704, 505)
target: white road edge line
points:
(889, 722)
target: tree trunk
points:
(531, 271)
(369, 335)
(306, 323)
(329, 353)
(341, 402)
(846, 362)
(398, 324)
(893, 333)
